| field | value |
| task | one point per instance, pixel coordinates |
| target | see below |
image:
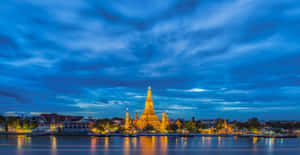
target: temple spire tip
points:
(149, 92)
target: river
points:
(146, 145)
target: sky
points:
(233, 59)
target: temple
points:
(126, 124)
(148, 117)
(226, 129)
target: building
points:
(209, 123)
(2, 128)
(178, 123)
(76, 126)
(148, 117)
(63, 123)
(55, 118)
(117, 121)
(226, 129)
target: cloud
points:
(196, 90)
(178, 107)
(255, 109)
(237, 92)
(203, 56)
(188, 90)
(137, 96)
(234, 108)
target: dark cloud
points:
(18, 97)
(201, 58)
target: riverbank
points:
(164, 145)
(151, 134)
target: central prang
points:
(148, 117)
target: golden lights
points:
(53, 145)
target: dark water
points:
(21, 145)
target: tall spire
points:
(163, 122)
(149, 102)
(149, 92)
(136, 116)
(225, 124)
(148, 116)
(126, 124)
(167, 119)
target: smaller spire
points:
(127, 123)
(163, 122)
(136, 116)
(149, 92)
(167, 119)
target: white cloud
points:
(179, 107)
(196, 90)
(138, 96)
(226, 13)
(257, 109)
(230, 103)
(90, 105)
(236, 92)
(32, 61)
(233, 108)
(188, 90)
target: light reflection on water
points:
(20, 142)
(53, 144)
(134, 142)
(126, 147)
(184, 141)
(106, 143)
(93, 145)
(270, 144)
(206, 141)
(146, 145)
(164, 145)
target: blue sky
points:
(233, 59)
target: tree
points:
(18, 125)
(11, 122)
(100, 128)
(121, 129)
(198, 124)
(277, 124)
(253, 124)
(107, 125)
(178, 123)
(33, 124)
(2, 120)
(173, 127)
(241, 125)
(25, 124)
(100, 125)
(103, 123)
(148, 128)
(189, 125)
(219, 123)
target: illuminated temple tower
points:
(126, 124)
(226, 129)
(163, 125)
(167, 120)
(148, 117)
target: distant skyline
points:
(208, 59)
